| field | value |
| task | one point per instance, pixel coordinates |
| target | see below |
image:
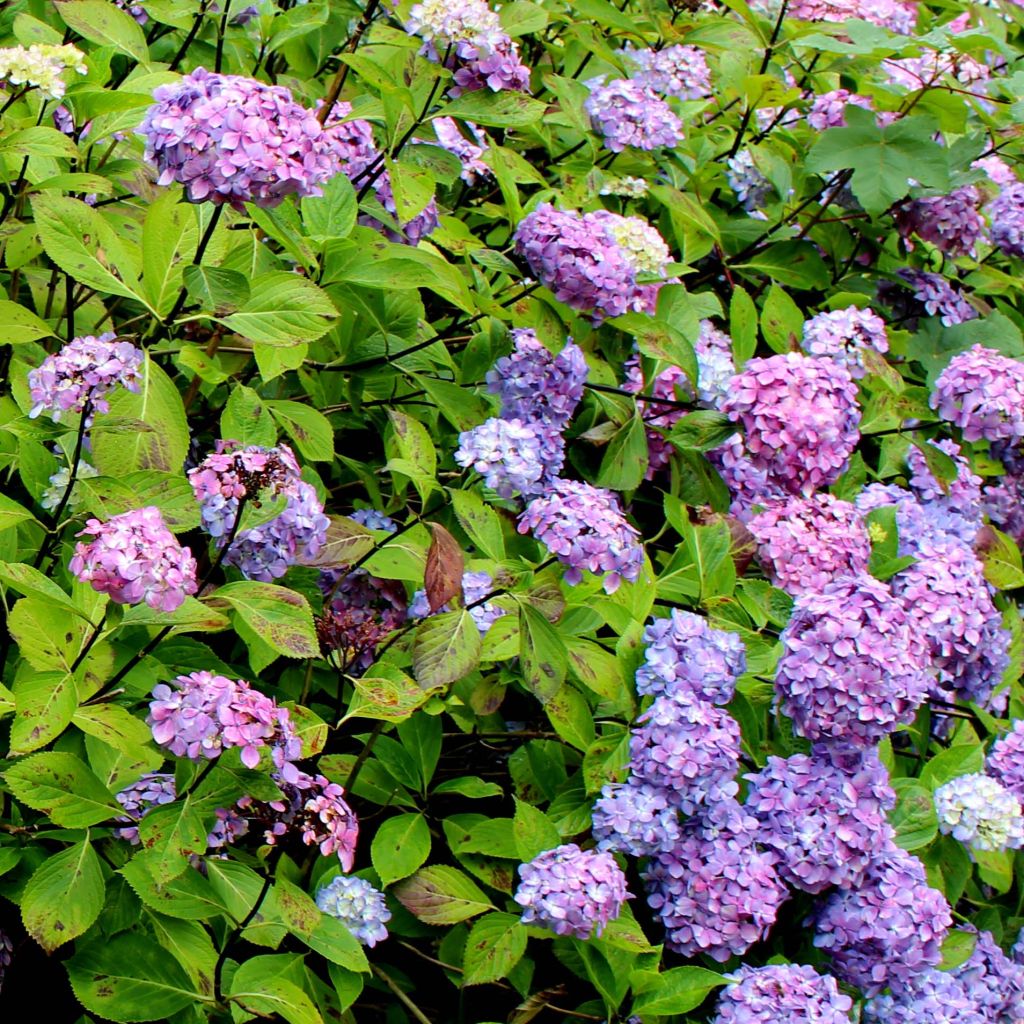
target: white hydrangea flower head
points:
(642, 244)
(979, 811)
(42, 66)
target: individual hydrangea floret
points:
(889, 929)
(360, 908)
(688, 747)
(231, 139)
(828, 109)
(805, 543)
(853, 666)
(779, 993)
(133, 557)
(41, 66)
(684, 657)
(475, 587)
(981, 812)
(715, 891)
(631, 115)
(844, 334)
(83, 373)
(469, 151)
(953, 223)
(583, 526)
(637, 818)
(510, 455)
(824, 814)
(571, 891)
(938, 296)
(799, 416)
(678, 70)
(982, 392)
(1005, 761)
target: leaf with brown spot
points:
(279, 616)
(445, 565)
(347, 542)
(45, 703)
(441, 895)
(64, 897)
(64, 788)
(496, 944)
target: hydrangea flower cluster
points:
(1006, 212)
(889, 929)
(1005, 761)
(782, 992)
(962, 495)
(152, 790)
(931, 997)
(475, 587)
(82, 374)
(715, 891)
(982, 392)
(751, 187)
(637, 818)
(631, 115)
(318, 810)
(938, 296)
(359, 907)
(231, 139)
(823, 814)
(511, 456)
(571, 891)
(201, 715)
(828, 109)
(993, 979)
(853, 666)
(627, 186)
(979, 811)
(804, 544)
(467, 36)
(800, 418)
(678, 70)
(583, 526)
(133, 557)
(844, 334)
(953, 223)
(579, 257)
(41, 66)
(469, 151)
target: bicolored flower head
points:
(980, 812)
(359, 907)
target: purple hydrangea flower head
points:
(715, 891)
(994, 981)
(637, 818)
(373, 519)
(581, 259)
(511, 456)
(853, 666)
(475, 587)
(631, 115)
(799, 416)
(828, 110)
(889, 929)
(1006, 213)
(953, 223)
(1005, 761)
(231, 139)
(687, 658)
(583, 526)
(824, 815)
(750, 485)
(201, 715)
(571, 891)
(679, 71)
(962, 494)
(932, 997)
(844, 334)
(82, 374)
(688, 747)
(979, 811)
(982, 392)
(782, 992)
(133, 557)
(752, 188)
(469, 151)
(938, 296)
(152, 790)
(805, 543)
(359, 907)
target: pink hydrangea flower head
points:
(844, 334)
(631, 116)
(828, 109)
(679, 71)
(981, 391)
(782, 992)
(952, 223)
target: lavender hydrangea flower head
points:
(979, 811)
(853, 667)
(953, 223)
(783, 992)
(932, 997)
(636, 817)
(359, 907)
(684, 658)
(715, 891)
(715, 365)
(231, 139)
(1005, 761)
(938, 296)
(1006, 213)
(583, 526)
(752, 188)
(843, 334)
(800, 418)
(805, 543)
(475, 587)
(995, 981)
(83, 373)
(571, 891)
(688, 747)
(133, 557)
(152, 790)
(963, 494)
(889, 929)
(511, 456)
(469, 151)
(982, 392)
(679, 71)
(828, 109)
(823, 815)
(631, 115)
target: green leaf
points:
(283, 310)
(332, 215)
(441, 895)
(742, 326)
(169, 835)
(189, 897)
(481, 523)
(794, 264)
(117, 727)
(962, 759)
(418, 456)
(347, 541)
(216, 289)
(884, 159)
(278, 616)
(386, 698)
(38, 141)
(169, 238)
(44, 703)
(703, 430)
(64, 788)
(495, 945)
(625, 460)
(331, 939)
(21, 326)
(246, 418)
(913, 817)
(781, 321)
(1001, 558)
(271, 997)
(400, 846)
(678, 990)
(11, 513)
(570, 714)
(31, 582)
(446, 648)
(542, 654)
(129, 978)
(307, 427)
(190, 944)
(505, 109)
(105, 24)
(533, 830)
(660, 340)
(64, 897)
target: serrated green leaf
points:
(400, 846)
(282, 309)
(441, 895)
(44, 705)
(64, 788)
(64, 897)
(280, 617)
(674, 991)
(495, 945)
(446, 648)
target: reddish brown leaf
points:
(445, 565)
